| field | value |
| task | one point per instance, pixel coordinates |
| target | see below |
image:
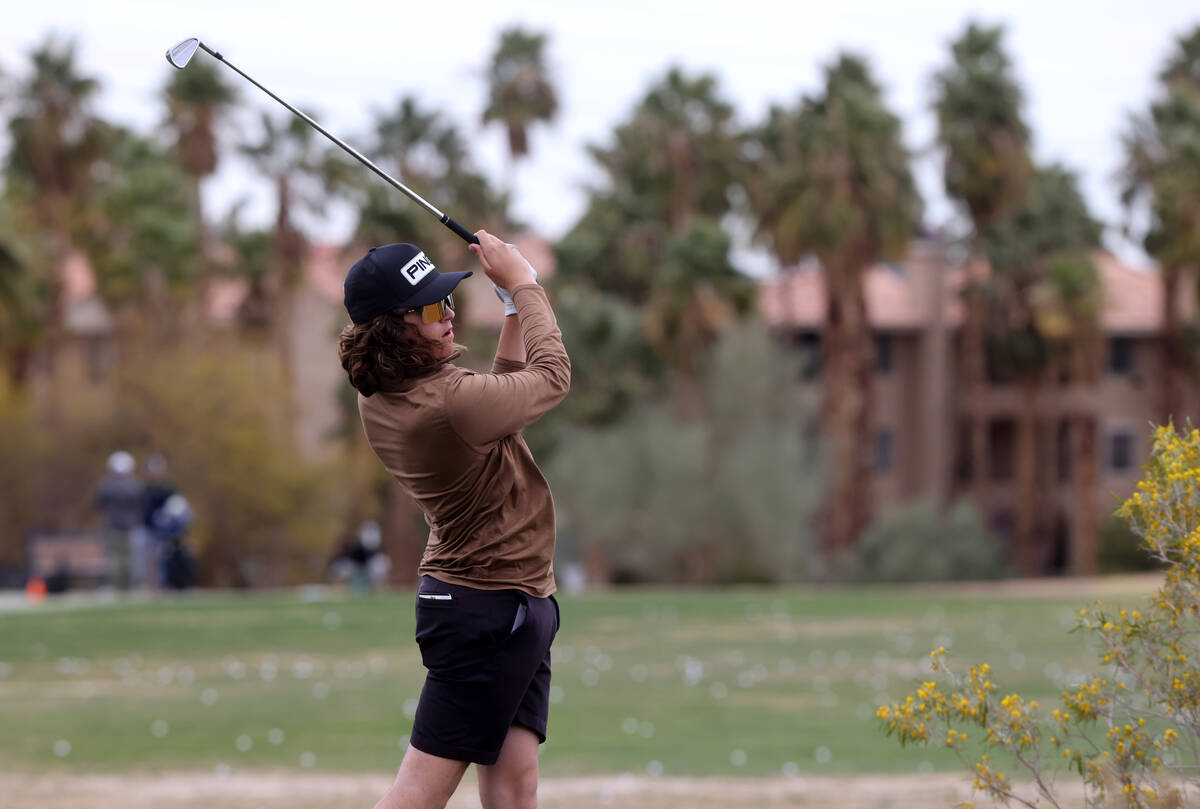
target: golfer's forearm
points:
(544, 352)
(487, 407)
(511, 347)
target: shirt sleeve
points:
(501, 365)
(484, 408)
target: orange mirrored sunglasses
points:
(433, 312)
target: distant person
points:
(171, 524)
(451, 438)
(119, 496)
(58, 580)
(159, 487)
(360, 560)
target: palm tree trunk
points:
(1085, 529)
(1173, 351)
(59, 252)
(974, 383)
(198, 213)
(1085, 545)
(846, 411)
(287, 258)
(1025, 536)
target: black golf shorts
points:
(487, 655)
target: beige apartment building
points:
(919, 420)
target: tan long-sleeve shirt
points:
(453, 442)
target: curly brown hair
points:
(386, 350)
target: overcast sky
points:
(1084, 67)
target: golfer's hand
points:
(504, 265)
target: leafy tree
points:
(835, 181)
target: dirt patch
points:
(303, 790)
(1131, 584)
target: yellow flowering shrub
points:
(1119, 732)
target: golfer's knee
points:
(517, 791)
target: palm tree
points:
(197, 99)
(1068, 308)
(986, 170)
(520, 92)
(678, 155)
(431, 156)
(1161, 174)
(139, 235)
(56, 145)
(834, 180)
(23, 294)
(651, 234)
(1021, 248)
(289, 155)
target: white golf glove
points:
(510, 308)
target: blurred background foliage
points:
(690, 450)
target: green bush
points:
(915, 543)
(714, 485)
(1121, 549)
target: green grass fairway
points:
(731, 682)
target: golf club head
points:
(182, 53)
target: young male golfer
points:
(451, 438)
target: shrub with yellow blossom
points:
(1123, 731)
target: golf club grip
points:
(464, 234)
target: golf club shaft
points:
(445, 219)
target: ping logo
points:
(417, 268)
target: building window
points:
(883, 451)
(1120, 451)
(1002, 435)
(963, 453)
(1120, 355)
(883, 353)
(1064, 451)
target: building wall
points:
(919, 444)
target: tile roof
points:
(896, 300)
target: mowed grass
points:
(730, 682)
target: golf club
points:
(181, 54)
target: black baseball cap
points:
(395, 276)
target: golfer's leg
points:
(423, 782)
(511, 783)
